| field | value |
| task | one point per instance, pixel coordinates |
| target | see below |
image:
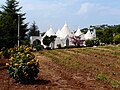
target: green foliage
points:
(25, 42)
(89, 43)
(117, 39)
(47, 40)
(36, 42)
(5, 53)
(9, 24)
(117, 29)
(33, 30)
(59, 46)
(99, 33)
(105, 33)
(96, 42)
(39, 47)
(108, 36)
(22, 66)
(104, 78)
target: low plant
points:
(59, 46)
(0, 55)
(22, 66)
(39, 47)
(89, 43)
(114, 83)
(103, 77)
(4, 52)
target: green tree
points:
(117, 39)
(107, 35)
(33, 30)
(99, 33)
(117, 29)
(47, 40)
(7, 36)
(9, 24)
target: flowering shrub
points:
(76, 40)
(0, 55)
(4, 52)
(23, 67)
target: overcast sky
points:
(82, 13)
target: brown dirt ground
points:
(53, 76)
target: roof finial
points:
(65, 24)
(50, 26)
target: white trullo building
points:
(50, 32)
(64, 36)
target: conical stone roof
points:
(65, 31)
(49, 33)
(88, 35)
(58, 32)
(78, 32)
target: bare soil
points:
(55, 76)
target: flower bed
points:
(22, 65)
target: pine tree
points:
(9, 24)
(33, 30)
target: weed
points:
(116, 53)
(115, 83)
(104, 78)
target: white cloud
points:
(97, 9)
(55, 8)
(47, 5)
(109, 10)
(85, 8)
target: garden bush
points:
(39, 47)
(22, 66)
(59, 46)
(89, 43)
(4, 52)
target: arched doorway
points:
(67, 42)
(36, 42)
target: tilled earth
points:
(53, 76)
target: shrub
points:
(22, 66)
(4, 52)
(76, 40)
(47, 40)
(39, 47)
(89, 43)
(59, 46)
(48, 48)
(117, 39)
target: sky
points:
(82, 13)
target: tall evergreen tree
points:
(9, 24)
(33, 30)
